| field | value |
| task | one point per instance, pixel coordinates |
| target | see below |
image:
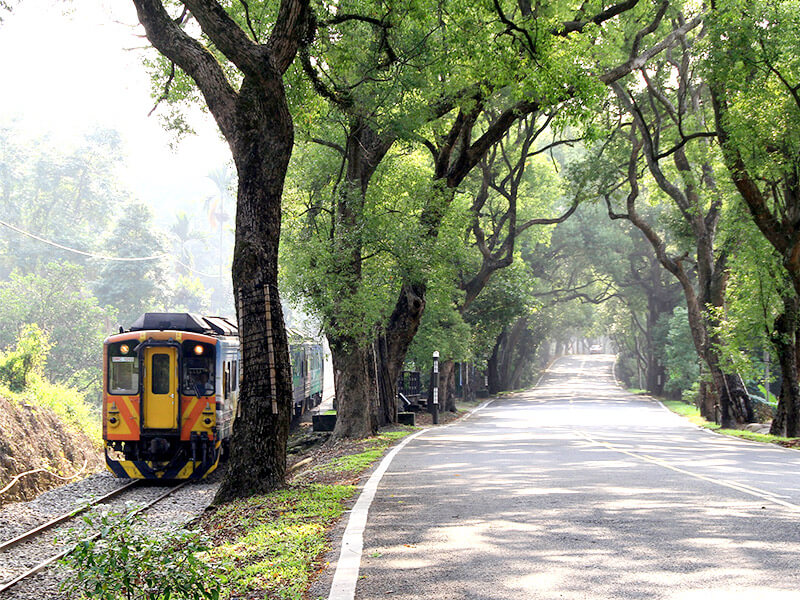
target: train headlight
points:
(123, 349)
(198, 350)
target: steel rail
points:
(43, 565)
(65, 517)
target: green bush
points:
(692, 395)
(127, 563)
(18, 366)
(68, 403)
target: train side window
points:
(235, 375)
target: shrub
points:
(28, 359)
(128, 563)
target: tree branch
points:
(577, 26)
(186, 52)
(226, 35)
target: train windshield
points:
(198, 369)
(123, 369)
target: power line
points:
(104, 257)
(83, 253)
(196, 271)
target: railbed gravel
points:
(180, 508)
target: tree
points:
(58, 301)
(56, 196)
(754, 76)
(132, 287)
(669, 130)
(246, 96)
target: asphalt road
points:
(580, 490)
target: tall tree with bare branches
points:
(241, 80)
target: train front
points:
(160, 404)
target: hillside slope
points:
(36, 437)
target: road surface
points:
(578, 489)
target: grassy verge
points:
(270, 546)
(692, 413)
(69, 404)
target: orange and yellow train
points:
(170, 390)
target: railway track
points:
(25, 555)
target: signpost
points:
(435, 386)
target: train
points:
(170, 393)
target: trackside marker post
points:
(435, 385)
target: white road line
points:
(745, 489)
(349, 563)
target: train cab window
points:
(160, 377)
(198, 378)
(123, 369)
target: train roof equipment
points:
(190, 322)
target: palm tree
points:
(225, 181)
(183, 233)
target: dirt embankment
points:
(33, 438)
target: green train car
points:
(307, 375)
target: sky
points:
(71, 67)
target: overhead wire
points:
(82, 252)
(103, 256)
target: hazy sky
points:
(69, 67)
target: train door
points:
(160, 388)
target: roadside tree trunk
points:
(356, 358)
(355, 388)
(447, 399)
(784, 340)
(493, 365)
(257, 125)
(393, 345)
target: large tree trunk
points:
(393, 344)
(493, 365)
(354, 370)
(257, 125)
(260, 432)
(387, 391)
(358, 365)
(784, 340)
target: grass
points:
(270, 546)
(692, 413)
(69, 404)
(360, 461)
(278, 539)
